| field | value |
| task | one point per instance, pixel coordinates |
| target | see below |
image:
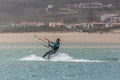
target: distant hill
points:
(20, 10)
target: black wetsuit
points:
(54, 47)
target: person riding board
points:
(54, 47)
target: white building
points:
(93, 25)
(111, 18)
(56, 24)
(94, 5)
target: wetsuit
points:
(54, 47)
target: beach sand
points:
(68, 37)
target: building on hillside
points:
(110, 18)
(14, 25)
(40, 24)
(49, 8)
(100, 24)
(91, 5)
(94, 5)
(31, 24)
(23, 23)
(69, 26)
(56, 24)
(91, 25)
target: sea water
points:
(83, 61)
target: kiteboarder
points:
(54, 47)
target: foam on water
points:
(60, 57)
(33, 58)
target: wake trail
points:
(60, 57)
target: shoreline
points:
(66, 37)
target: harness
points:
(55, 47)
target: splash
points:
(60, 57)
(67, 58)
(32, 58)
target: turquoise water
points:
(85, 61)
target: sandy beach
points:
(70, 37)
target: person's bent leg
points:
(52, 52)
(46, 53)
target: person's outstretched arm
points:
(48, 41)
